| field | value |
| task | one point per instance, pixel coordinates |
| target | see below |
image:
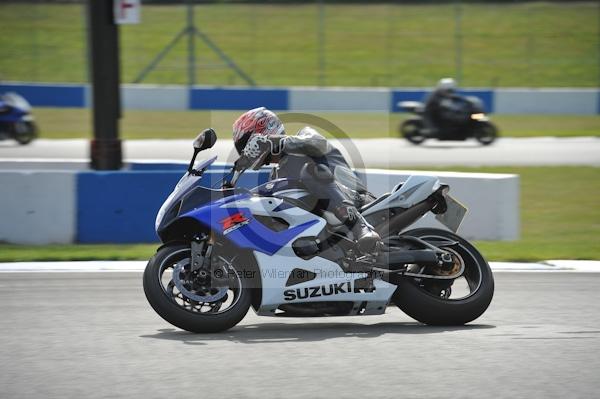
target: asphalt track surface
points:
(92, 335)
(383, 153)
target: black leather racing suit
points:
(307, 146)
(309, 157)
(435, 105)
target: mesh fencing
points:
(317, 44)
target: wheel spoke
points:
(465, 285)
(197, 295)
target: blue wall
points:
(238, 99)
(549, 101)
(49, 95)
(121, 207)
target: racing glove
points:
(260, 147)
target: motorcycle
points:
(16, 120)
(463, 117)
(274, 249)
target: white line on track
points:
(580, 266)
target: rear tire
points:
(179, 316)
(411, 130)
(421, 305)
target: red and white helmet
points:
(256, 121)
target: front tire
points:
(486, 133)
(419, 300)
(176, 305)
(412, 129)
(25, 132)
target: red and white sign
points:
(127, 11)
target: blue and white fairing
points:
(276, 258)
(182, 188)
(18, 108)
(236, 217)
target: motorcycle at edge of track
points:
(464, 118)
(228, 249)
(16, 120)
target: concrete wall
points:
(303, 99)
(339, 99)
(38, 207)
(492, 200)
(154, 97)
(547, 101)
(120, 207)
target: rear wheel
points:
(191, 300)
(486, 133)
(448, 302)
(412, 131)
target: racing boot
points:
(367, 239)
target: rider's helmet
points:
(446, 84)
(256, 121)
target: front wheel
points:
(412, 130)
(486, 133)
(25, 132)
(448, 302)
(192, 300)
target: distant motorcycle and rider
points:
(16, 120)
(447, 116)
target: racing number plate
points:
(454, 215)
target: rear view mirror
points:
(205, 140)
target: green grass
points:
(524, 44)
(560, 214)
(548, 125)
(61, 123)
(30, 253)
(560, 219)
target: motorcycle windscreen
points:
(454, 215)
(16, 101)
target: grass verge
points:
(61, 123)
(560, 215)
(533, 44)
(82, 252)
(560, 219)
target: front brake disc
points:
(211, 295)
